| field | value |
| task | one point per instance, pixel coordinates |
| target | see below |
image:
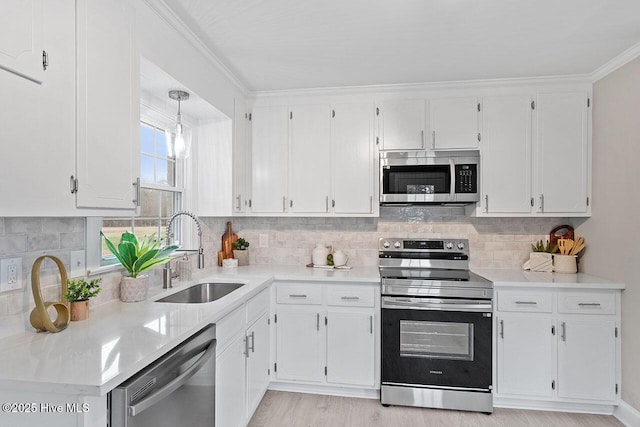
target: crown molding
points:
(161, 8)
(619, 61)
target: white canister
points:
(339, 258)
(319, 254)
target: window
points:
(161, 193)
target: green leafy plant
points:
(240, 244)
(136, 255)
(541, 246)
(81, 290)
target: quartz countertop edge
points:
(535, 279)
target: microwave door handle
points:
(452, 190)
(178, 382)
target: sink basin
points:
(202, 292)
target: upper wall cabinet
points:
(454, 123)
(21, 38)
(107, 105)
(241, 157)
(401, 124)
(37, 125)
(562, 153)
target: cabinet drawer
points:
(299, 294)
(257, 305)
(229, 327)
(357, 296)
(539, 302)
(586, 303)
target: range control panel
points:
(428, 245)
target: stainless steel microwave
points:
(428, 177)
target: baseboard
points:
(627, 414)
(325, 389)
(556, 406)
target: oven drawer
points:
(299, 294)
(586, 303)
(539, 302)
(354, 296)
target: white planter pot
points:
(134, 289)
(241, 256)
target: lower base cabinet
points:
(242, 361)
(559, 346)
(326, 334)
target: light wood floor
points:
(282, 409)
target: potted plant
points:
(78, 293)
(240, 251)
(137, 256)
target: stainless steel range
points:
(436, 326)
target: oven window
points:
(435, 179)
(436, 340)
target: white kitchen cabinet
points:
(401, 124)
(241, 157)
(352, 159)
(559, 347)
(21, 38)
(310, 164)
(257, 362)
(454, 123)
(506, 154)
(562, 153)
(231, 385)
(37, 125)
(300, 344)
(350, 347)
(108, 102)
(327, 336)
(269, 159)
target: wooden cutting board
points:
(560, 232)
(227, 241)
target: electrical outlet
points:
(77, 264)
(10, 274)
(264, 240)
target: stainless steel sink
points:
(202, 292)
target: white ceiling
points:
(292, 44)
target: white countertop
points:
(517, 277)
(92, 357)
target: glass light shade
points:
(178, 140)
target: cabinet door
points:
(241, 157)
(350, 347)
(300, 337)
(310, 158)
(230, 384)
(506, 154)
(21, 38)
(525, 356)
(454, 123)
(108, 99)
(257, 362)
(401, 124)
(269, 157)
(587, 359)
(353, 158)
(562, 135)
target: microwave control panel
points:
(466, 178)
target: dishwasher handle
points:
(175, 384)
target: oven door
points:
(435, 342)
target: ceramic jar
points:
(339, 258)
(319, 254)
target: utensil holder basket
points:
(565, 264)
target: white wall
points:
(612, 233)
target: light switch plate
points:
(77, 264)
(10, 274)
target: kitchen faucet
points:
(166, 273)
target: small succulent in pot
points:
(81, 290)
(240, 244)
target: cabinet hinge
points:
(479, 137)
(377, 111)
(377, 140)
(333, 113)
(275, 367)
(291, 115)
(615, 333)
(553, 385)
(291, 203)
(268, 321)
(268, 371)
(616, 388)
(553, 330)
(587, 201)
(45, 60)
(479, 107)
(533, 105)
(249, 116)
(532, 202)
(275, 318)
(325, 321)
(249, 202)
(325, 371)
(588, 102)
(74, 184)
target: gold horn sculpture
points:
(39, 316)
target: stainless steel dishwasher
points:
(177, 389)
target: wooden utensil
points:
(565, 246)
(577, 247)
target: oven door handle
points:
(436, 304)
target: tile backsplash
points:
(494, 243)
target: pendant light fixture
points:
(178, 136)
